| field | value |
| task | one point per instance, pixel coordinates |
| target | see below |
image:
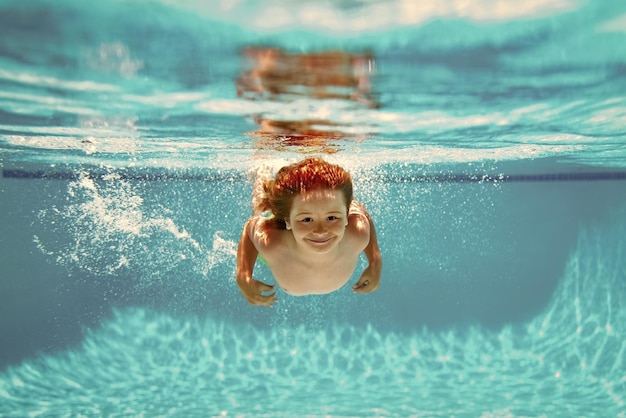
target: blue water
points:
(486, 139)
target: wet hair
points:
(299, 178)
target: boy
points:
(309, 231)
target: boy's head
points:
(303, 177)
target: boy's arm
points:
(246, 257)
(370, 279)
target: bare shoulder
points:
(264, 234)
(358, 224)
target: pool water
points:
(486, 139)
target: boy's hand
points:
(369, 281)
(253, 291)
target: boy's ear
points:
(287, 225)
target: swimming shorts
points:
(262, 259)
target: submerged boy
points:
(309, 231)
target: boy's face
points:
(318, 219)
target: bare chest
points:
(303, 278)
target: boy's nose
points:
(319, 228)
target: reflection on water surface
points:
(316, 82)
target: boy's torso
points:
(315, 274)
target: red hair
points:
(302, 177)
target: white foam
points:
(326, 16)
(616, 24)
(110, 229)
(35, 79)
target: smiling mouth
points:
(317, 241)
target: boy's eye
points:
(309, 219)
